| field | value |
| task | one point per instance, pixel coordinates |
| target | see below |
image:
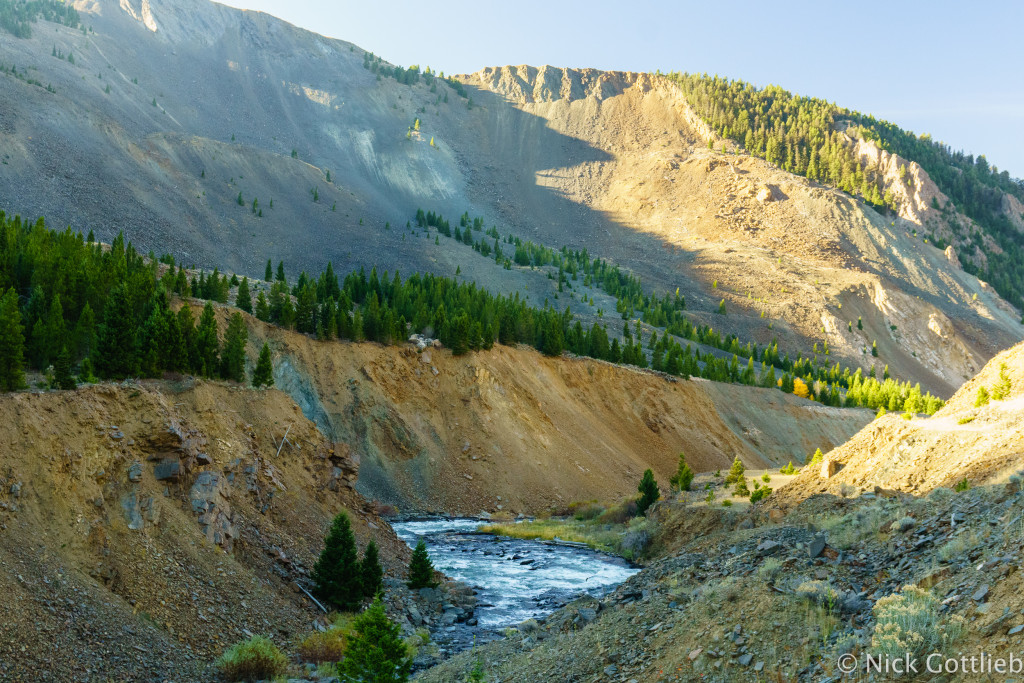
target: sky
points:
(951, 69)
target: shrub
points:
(586, 510)
(324, 646)
(636, 539)
(769, 569)
(765, 478)
(727, 503)
(958, 547)
(252, 660)
(789, 469)
(819, 592)
(962, 485)
(965, 420)
(908, 622)
(1002, 388)
(619, 514)
(760, 494)
(982, 397)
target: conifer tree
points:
(683, 477)
(233, 356)
(649, 493)
(243, 299)
(187, 329)
(376, 653)
(421, 569)
(371, 575)
(62, 378)
(263, 373)
(280, 272)
(268, 276)
(12, 343)
(85, 340)
(48, 334)
(735, 472)
(115, 352)
(207, 343)
(262, 308)
(336, 572)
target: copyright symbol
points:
(847, 663)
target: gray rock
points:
(167, 469)
(611, 670)
(746, 659)
(816, 546)
(768, 547)
(16, 490)
(1015, 630)
(980, 594)
(135, 471)
(130, 505)
(587, 614)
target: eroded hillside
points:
(146, 526)
(229, 137)
(509, 429)
(980, 441)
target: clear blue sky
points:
(952, 69)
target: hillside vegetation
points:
(817, 139)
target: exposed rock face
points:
(209, 500)
(952, 257)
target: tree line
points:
(816, 139)
(17, 16)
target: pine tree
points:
(62, 378)
(263, 373)
(233, 355)
(735, 472)
(207, 342)
(280, 272)
(721, 307)
(371, 575)
(115, 351)
(336, 572)
(421, 569)
(85, 340)
(376, 653)
(244, 300)
(683, 477)
(741, 489)
(262, 308)
(187, 329)
(268, 275)
(48, 334)
(12, 343)
(649, 493)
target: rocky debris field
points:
(782, 600)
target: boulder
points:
(167, 469)
(829, 468)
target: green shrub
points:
(586, 510)
(816, 458)
(727, 503)
(1002, 388)
(765, 478)
(620, 513)
(962, 485)
(789, 469)
(252, 660)
(982, 398)
(965, 420)
(760, 494)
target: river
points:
(515, 579)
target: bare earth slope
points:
(983, 444)
(172, 111)
(509, 429)
(146, 527)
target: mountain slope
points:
(210, 109)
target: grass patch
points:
(628, 538)
(251, 660)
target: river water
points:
(515, 579)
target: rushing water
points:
(515, 579)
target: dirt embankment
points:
(984, 444)
(509, 429)
(145, 527)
